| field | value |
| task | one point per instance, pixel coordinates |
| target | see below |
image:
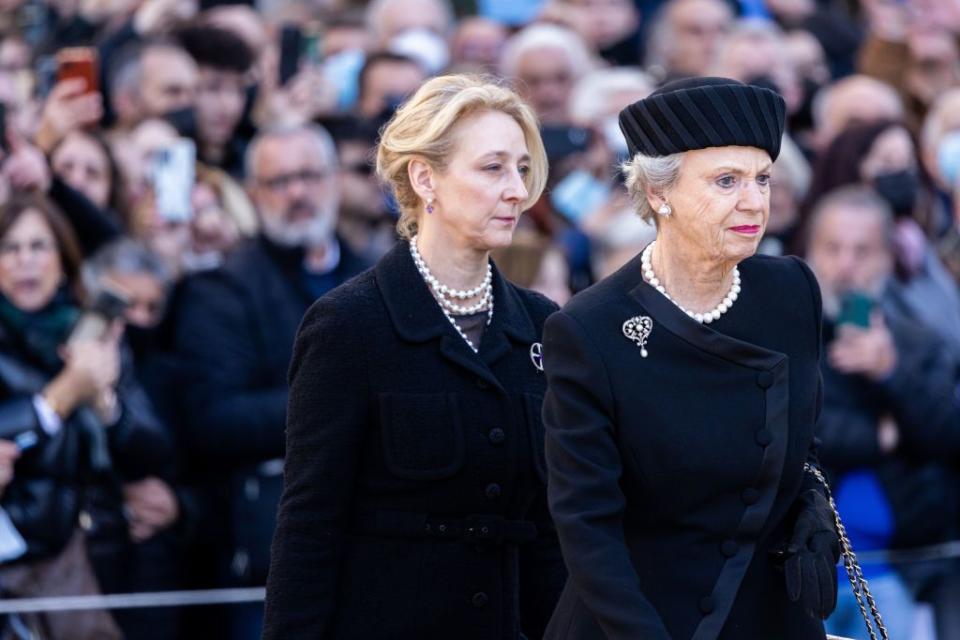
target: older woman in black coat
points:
(415, 500)
(682, 396)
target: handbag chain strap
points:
(861, 591)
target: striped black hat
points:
(696, 113)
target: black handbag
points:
(861, 590)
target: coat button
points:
(492, 491)
(480, 599)
(482, 384)
(497, 435)
(764, 379)
(763, 437)
(729, 548)
(706, 605)
(749, 496)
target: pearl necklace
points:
(443, 293)
(703, 318)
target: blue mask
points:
(578, 194)
(948, 157)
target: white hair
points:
(377, 9)
(592, 95)
(654, 173)
(824, 100)
(325, 145)
(660, 44)
(545, 36)
(750, 30)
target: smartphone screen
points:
(560, 142)
(78, 62)
(172, 176)
(311, 49)
(291, 48)
(855, 309)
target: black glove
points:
(811, 557)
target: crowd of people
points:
(168, 216)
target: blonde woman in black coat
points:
(683, 392)
(415, 502)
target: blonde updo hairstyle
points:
(421, 128)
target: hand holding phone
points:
(69, 106)
(79, 62)
(855, 309)
(863, 344)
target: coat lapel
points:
(511, 322)
(417, 316)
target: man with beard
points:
(234, 330)
(890, 424)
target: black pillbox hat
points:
(696, 113)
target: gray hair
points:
(125, 69)
(656, 173)
(794, 167)
(854, 197)
(325, 145)
(127, 257)
(377, 9)
(660, 45)
(825, 99)
(545, 36)
(591, 97)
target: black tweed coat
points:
(674, 476)
(415, 500)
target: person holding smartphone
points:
(890, 427)
(82, 426)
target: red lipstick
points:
(747, 229)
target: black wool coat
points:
(415, 501)
(233, 333)
(673, 476)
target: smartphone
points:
(172, 174)
(78, 62)
(95, 321)
(291, 49)
(855, 309)
(560, 142)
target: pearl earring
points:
(665, 210)
(430, 205)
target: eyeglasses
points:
(360, 169)
(36, 247)
(283, 181)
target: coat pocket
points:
(533, 404)
(422, 435)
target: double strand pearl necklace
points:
(445, 295)
(703, 318)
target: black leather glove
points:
(811, 557)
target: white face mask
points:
(948, 157)
(614, 137)
(424, 46)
